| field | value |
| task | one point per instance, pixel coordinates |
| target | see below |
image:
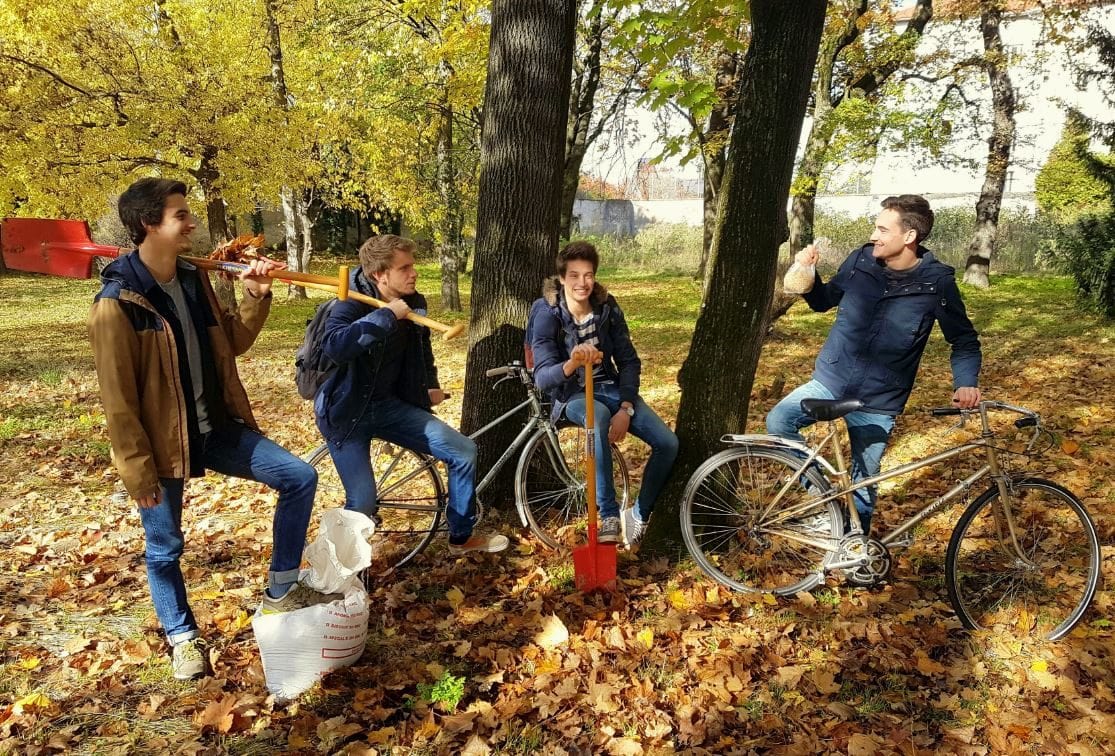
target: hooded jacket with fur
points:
(552, 334)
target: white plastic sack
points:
(297, 648)
(340, 550)
(799, 278)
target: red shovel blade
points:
(594, 566)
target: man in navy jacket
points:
(384, 387)
(889, 294)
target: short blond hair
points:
(377, 253)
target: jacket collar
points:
(130, 272)
(554, 294)
(929, 262)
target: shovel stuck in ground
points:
(594, 564)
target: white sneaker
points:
(633, 527)
(187, 660)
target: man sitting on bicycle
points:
(576, 321)
(384, 387)
(889, 293)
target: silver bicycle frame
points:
(845, 490)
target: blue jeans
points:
(645, 425)
(401, 423)
(243, 453)
(868, 432)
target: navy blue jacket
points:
(552, 334)
(355, 337)
(874, 348)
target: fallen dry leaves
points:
(670, 662)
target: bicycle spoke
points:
(722, 520)
(1041, 590)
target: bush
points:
(657, 248)
(1023, 236)
(1086, 251)
(1070, 184)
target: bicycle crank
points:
(866, 562)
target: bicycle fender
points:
(775, 442)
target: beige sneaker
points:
(298, 597)
(187, 660)
(490, 544)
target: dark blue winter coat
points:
(355, 337)
(552, 334)
(874, 348)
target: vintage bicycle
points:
(776, 516)
(549, 479)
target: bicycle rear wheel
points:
(1046, 593)
(730, 538)
(550, 484)
(410, 497)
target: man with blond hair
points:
(385, 386)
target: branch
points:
(135, 162)
(872, 80)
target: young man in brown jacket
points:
(165, 353)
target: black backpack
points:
(311, 365)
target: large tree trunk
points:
(978, 268)
(522, 150)
(288, 198)
(581, 101)
(216, 217)
(717, 375)
(715, 148)
(826, 98)
(450, 232)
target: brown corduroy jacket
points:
(137, 360)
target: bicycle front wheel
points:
(550, 484)
(409, 492)
(1040, 589)
(738, 543)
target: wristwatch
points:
(629, 410)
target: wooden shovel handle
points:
(331, 284)
(590, 454)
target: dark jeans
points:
(243, 453)
(401, 423)
(868, 431)
(645, 425)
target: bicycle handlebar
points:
(499, 371)
(1029, 419)
(942, 411)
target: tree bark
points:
(715, 148)
(978, 267)
(288, 199)
(586, 81)
(522, 152)
(450, 232)
(216, 217)
(717, 375)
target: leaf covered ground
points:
(501, 654)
